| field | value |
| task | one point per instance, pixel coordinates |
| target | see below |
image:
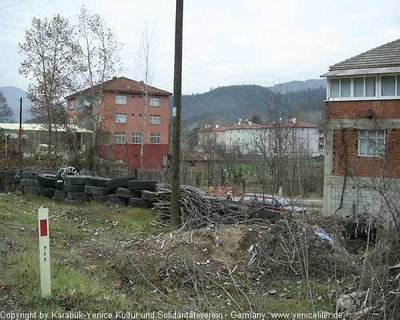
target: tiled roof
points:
(124, 85)
(387, 55)
(243, 125)
(298, 124)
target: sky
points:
(225, 42)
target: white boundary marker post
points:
(44, 251)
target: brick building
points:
(362, 134)
(124, 122)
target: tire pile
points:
(71, 187)
(8, 181)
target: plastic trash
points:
(323, 236)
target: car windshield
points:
(283, 202)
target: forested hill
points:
(228, 104)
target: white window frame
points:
(121, 99)
(374, 137)
(119, 137)
(137, 138)
(378, 94)
(352, 97)
(155, 119)
(155, 102)
(396, 86)
(71, 105)
(155, 138)
(121, 118)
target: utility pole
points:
(176, 113)
(20, 128)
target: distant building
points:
(122, 114)
(70, 138)
(284, 138)
(362, 137)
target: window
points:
(388, 86)
(120, 100)
(119, 137)
(340, 88)
(398, 85)
(371, 143)
(71, 105)
(155, 138)
(155, 119)
(137, 138)
(334, 88)
(345, 87)
(120, 118)
(370, 84)
(155, 102)
(71, 120)
(357, 87)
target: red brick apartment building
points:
(122, 118)
(362, 134)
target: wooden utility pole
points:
(176, 113)
(20, 129)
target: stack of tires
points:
(128, 191)
(60, 194)
(46, 184)
(143, 193)
(74, 188)
(118, 194)
(28, 182)
(8, 181)
(96, 189)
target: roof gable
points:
(387, 55)
(123, 85)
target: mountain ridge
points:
(225, 104)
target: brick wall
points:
(382, 109)
(345, 154)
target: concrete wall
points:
(372, 184)
(364, 193)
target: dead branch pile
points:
(196, 210)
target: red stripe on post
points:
(43, 227)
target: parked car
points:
(269, 202)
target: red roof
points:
(244, 125)
(124, 85)
(297, 124)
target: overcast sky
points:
(226, 42)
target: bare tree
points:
(98, 61)
(6, 113)
(49, 50)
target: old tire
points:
(124, 193)
(116, 183)
(74, 188)
(28, 175)
(93, 190)
(75, 180)
(28, 182)
(46, 179)
(142, 185)
(138, 203)
(97, 182)
(149, 196)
